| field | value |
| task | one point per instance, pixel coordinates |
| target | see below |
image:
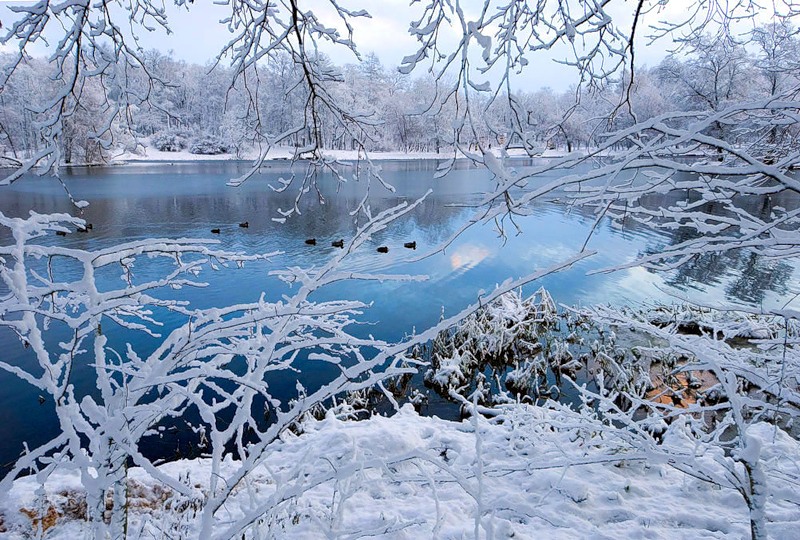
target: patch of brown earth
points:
(681, 389)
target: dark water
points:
(189, 199)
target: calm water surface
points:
(189, 199)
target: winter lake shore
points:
(521, 471)
(152, 155)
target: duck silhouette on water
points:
(338, 243)
(311, 241)
(382, 249)
(244, 224)
(410, 245)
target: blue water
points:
(189, 199)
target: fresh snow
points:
(411, 477)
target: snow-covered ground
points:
(413, 477)
(151, 154)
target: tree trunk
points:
(119, 514)
(756, 499)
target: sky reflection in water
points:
(189, 199)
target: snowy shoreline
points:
(411, 476)
(158, 157)
(284, 153)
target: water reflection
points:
(188, 200)
(740, 276)
(467, 256)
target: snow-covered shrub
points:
(208, 145)
(504, 329)
(506, 337)
(522, 378)
(728, 324)
(169, 141)
(449, 371)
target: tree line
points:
(207, 109)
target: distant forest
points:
(207, 110)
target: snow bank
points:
(152, 155)
(411, 477)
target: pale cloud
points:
(639, 279)
(547, 254)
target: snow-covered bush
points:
(208, 145)
(526, 375)
(509, 326)
(169, 141)
(508, 337)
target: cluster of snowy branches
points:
(671, 385)
(215, 368)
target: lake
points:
(187, 200)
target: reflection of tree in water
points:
(706, 270)
(749, 275)
(753, 274)
(759, 275)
